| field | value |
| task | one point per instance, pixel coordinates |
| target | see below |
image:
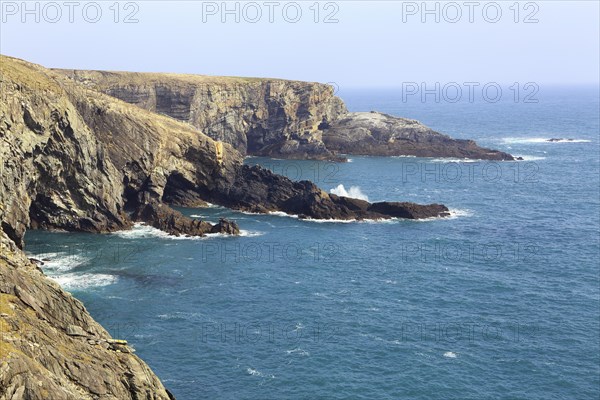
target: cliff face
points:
(75, 159)
(51, 348)
(278, 118)
(263, 117)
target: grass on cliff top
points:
(123, 78)
(26, 74)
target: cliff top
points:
(124, 78)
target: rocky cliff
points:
(77, 159)
(51, 348)
(264, 117)
(278, 118)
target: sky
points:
(352, 43)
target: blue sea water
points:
(499, 301)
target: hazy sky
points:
(372, 44)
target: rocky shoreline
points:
(75, 159)
(98, 151)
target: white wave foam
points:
(455, 160)
(84, 281)
(245, 233)
(458, 212)
(255, 372)
(450, 354)
(60, 261)
(354, 192)
(143, 231)
(298, 351)
(352, 221)
(454, 213)
(278, 214)
(524, 140)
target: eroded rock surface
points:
(257, 189)
(378, 134)
(263, 117)
(51, 348)
(76, 159)
(278, 118)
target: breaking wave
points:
(354, 192)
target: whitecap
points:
(450, 354)
(298, 351)
(255, 372)
(245, 233)
(455, 160)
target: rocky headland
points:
(278, 118)
(374, 133)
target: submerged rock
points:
(559, 140)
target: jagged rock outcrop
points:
(166, 219)
(51, 348)
(378, 134)
(278, 118)
(252, 189)
(263, 117)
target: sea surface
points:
(500, 301)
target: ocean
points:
(501, 300)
